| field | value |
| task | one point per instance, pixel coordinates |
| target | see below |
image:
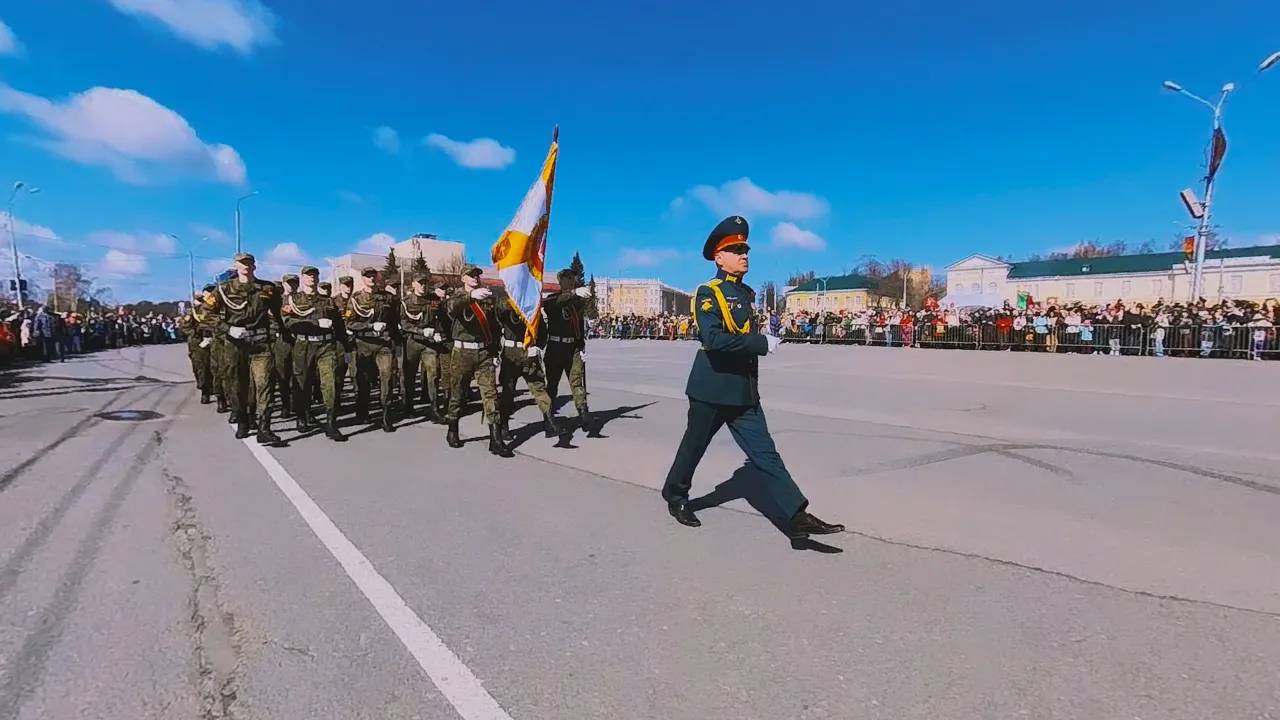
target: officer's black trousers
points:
(749, 429)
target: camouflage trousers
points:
(423, 361)
(565, 358)
(373, 357)
(282, 368)
(202, 365)
(463, 364)
(248, 376)
(219, 359)
(517, 364)
(315, 362)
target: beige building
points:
(833, 294)
(1251, 273)
(442, 256)
(625, 296)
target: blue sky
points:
(900, 129)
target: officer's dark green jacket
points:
(726, 370)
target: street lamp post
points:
(13, 237)
(238, 201)
(191, 262)
(1202, 233)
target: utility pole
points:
(13, 237)
(238, 201)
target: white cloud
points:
(646, 257)
(208, 231)
(120, 264)
(217, 266)
(126, 131)
(9, 44)
(478, 154)
(787, 235)
(387, 139)
(376, 243)
(27, 231)
(743, 197)
(134, 242)
(288, 253)
(239, 24)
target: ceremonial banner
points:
(520, 254)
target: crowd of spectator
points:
(40, 333)
(1230, 329)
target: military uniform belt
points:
(467, 345)
(557, 338)
(368, 334)
(253, 335)
(313, 338)
(429, 334)
(512, 343)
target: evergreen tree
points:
(391, 271)
(593, 307)
(576, 266)
(420, 266)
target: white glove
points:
(481, 294)
(237, 332)
(774, 341)
(379, 326)
(584, 358)
(582, 292)
(534, 351)
(206, 342)
(325, 323)
(497, 362)
(440, 293)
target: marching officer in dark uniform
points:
(419, 322)
(475, 353)
(567, 344)
(315, 325)
(373, 317)
(723, 387)
(521, 362)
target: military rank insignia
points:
(706, 306)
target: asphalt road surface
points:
(1029, 536)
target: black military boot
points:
(242, 428)
(505, 426)
(204, 397)
(496, 445)
(549, 427)
(406, 407)
(331, 430)
(387, 425)
(286, 403)
(222, 405)
(302, 422)
(233, 417)
(430, 411)
(362, 414)
(451, 437)
(265, 435)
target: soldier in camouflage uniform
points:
(282, 355)
(567, 343)
(521, 362)
(251, 316)
(201, 326)
(475, 352)
(346, 367)
(315, 325)
(419, 324)
(372, 317)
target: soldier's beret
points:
(368, 271)
(733, 230)
(471, 270)
(244, 258)
(347, 280)
(310, 270)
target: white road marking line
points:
(455, 680)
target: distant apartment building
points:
(627, 296)
(1250, 273)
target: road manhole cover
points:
(129, 415)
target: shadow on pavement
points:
(748, 483)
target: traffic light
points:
(1189, 247)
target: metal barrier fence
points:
(1217, 341)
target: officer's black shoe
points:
(683, 515)
(331, 430)
(222, 405)
(387, 425)
(496, 445)
(406, 408)
(803, 525)
(451, 437)
(204, 398)
(549, 427)
(242, 429)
